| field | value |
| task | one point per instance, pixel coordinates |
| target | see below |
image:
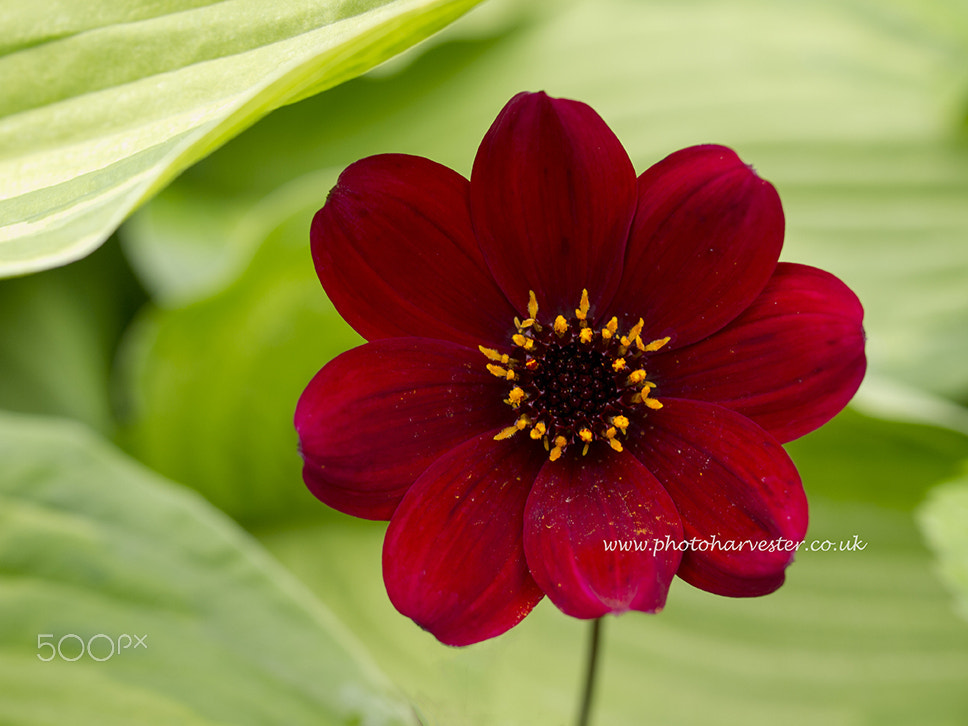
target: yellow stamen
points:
(538, 431)
(636, 377)
(610, 328)
(560, 443)
(516, 396)
(585, 435)
(561, 325)
(615, 444)
(506, 433)
(584, 450)
(656, 344)
(585, 336)
(652, 403)
(583, 307)
(532, 305)
(618, 364)
(523, 341)
(494, 355)
(522, 423)
(621, 422)
(636, 330)
(610, 432)
(500, 372)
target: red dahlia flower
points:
(562, 355)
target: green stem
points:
(586, 699)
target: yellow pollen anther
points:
(538, 431)
(656, 344)
(561, 325)
(637, 376)
(516, 396)
(583, 307)
(584, 450)
(610, 432)
(621, 422)
(609, 330)
(494, 355)
(618, 364)
(532, 305)
(615, 444)
(652, 403)
(560, 443)
(636, 329)
(585, 336)
(506, 433)
(585, 435)
(500, 372)
(522, 423)
(523, 341)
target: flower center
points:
(570, 383)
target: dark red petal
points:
(552, 198)
(395, 251)
(706, 238)
(730, 481)
(374, 418)
(453, 559)
(579, 506)
(790, 362)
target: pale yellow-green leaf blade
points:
(104, 103)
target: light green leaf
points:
(91, 543)
(944, 521)
(213, 386)
(855, 110)
(104, 103)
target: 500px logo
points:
(99, 647)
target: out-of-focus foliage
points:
(94, 545)
(58, 333)
(213, 385)
(104, 103)
(944, 520)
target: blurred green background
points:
(149, 480)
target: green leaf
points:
(92, 543)
(944, 521)
(104, 103)
(853, 637)
(853, 109)
(213, 386)
(58, 334)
